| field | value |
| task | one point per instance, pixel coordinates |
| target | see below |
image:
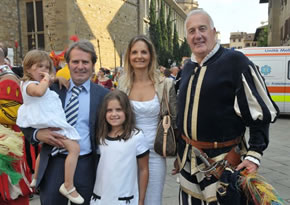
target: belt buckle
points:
(215, 145)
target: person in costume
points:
(62, 69)
(103, 80)
(123, 165)
(221, 92)
(15, 174)
(42, 108)
(144, 86)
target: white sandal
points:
(77, 200)
(33, 183)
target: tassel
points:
(261, 192)
(10, 142)
(6, 166)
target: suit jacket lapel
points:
(62, 95)
(93, 103)
(93, 113)
(61, 92)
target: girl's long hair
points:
(129, 124)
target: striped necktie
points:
(72, 108)
(71, 112)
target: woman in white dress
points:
(144, 86)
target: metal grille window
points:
(286, 30)
(35, 28)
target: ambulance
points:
(274, 65)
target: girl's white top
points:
(117, 173)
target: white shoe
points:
(33, 183)
(77, 200)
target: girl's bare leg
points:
(71, 161)
(33, 182)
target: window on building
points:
(35, 28)
(281, 34)
(286, 29)
(146, 29)
(234, 40)
(147, 8)
(180, 26)
(239, 40)
(282, 4)
(248, 45)
(166, 10)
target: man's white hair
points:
(198, 11)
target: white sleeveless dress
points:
(147, 114)
(44, 112)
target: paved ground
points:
(275, 165)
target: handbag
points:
(165, 142)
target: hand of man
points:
(176, 167)
(49, 136)
(250, 166)
(62, 82)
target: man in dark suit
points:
(81, 58)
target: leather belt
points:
(211, 145)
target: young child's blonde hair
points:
(34, 57)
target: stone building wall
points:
(8, 23)
(108, 24)
(111, 23)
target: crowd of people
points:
(97, 137)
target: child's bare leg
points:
(33, 182)
(73, 149)
(36, 166)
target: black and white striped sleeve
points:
(254, 105)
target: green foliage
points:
(163, 27)
(176, 55)
(263, 37)
(160, 31)
(152, 12)
(169, 32)
(159, 45)
(185, 49)
(153, 23)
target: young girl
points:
(42, 108)
(124, 155)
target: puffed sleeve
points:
(142, 147)
(254, 105)
(172, 100)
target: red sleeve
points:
(109, 84)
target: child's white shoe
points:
(33, 183)
(77, 200)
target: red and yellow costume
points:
(15, 174)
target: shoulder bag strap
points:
(165, 96)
